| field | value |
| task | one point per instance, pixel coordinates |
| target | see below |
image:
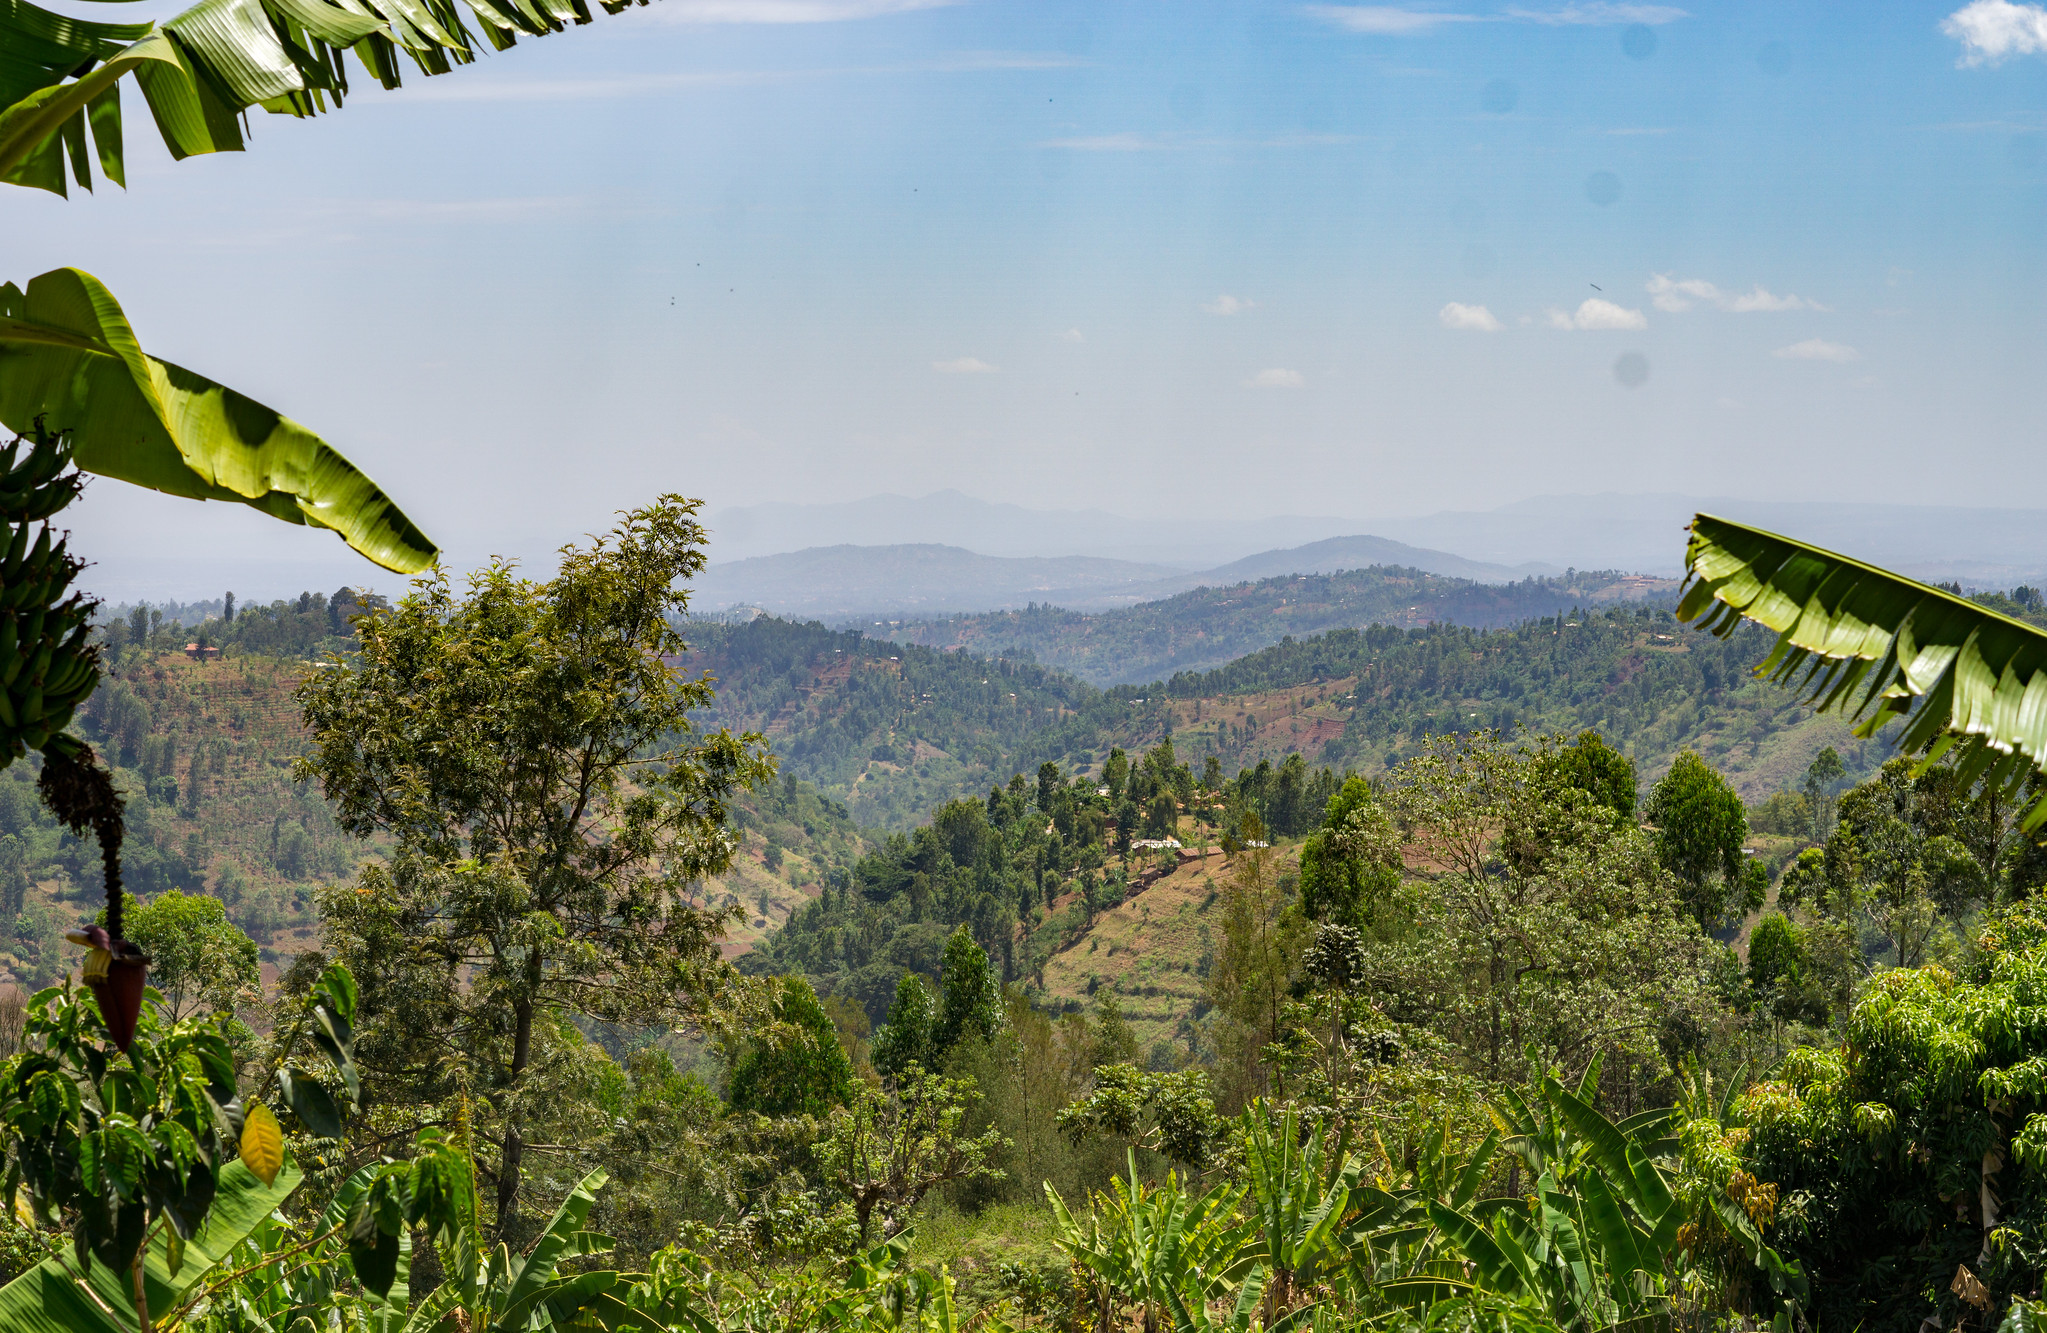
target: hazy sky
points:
(1158, 258)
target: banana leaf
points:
(60, 77)
(1879, 647)
(68, 356)
(53, 1297)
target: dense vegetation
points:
(1207, 627)
(1509, 1029)
(895, 730)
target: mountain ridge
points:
(848, 582)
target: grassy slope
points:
(1151, 949)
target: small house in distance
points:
(201, 652)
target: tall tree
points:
(796, 1067)
(1352, 863)
(970, 996)
(553, 804)
(13, 877)
(198, 959)
(1700, 827)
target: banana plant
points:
(492, 1290)
(71, 365)
(1396, 1253)
(1299, 1194)
(1166, 1252)
(284, 1273)
(1965, 682)
(201, 69)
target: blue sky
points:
(1151, 257)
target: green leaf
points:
(1640, 1184)
(1863, 641)
(203, 68)
(559, 1239)
(68, 355)
(1501, 1266)
(46, 1299)
(311, 1103)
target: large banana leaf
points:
(53, 1297)
(67, 355)
(199, 71)
(1866, 642)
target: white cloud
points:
(1074, 336)
(1386, 20)
(1475, 318)
(1764, 299)
(1277, 379)
(1594, 14)
(1991, 30)
(965, 365)
(789, 11)
(1227, 305)
(1597, 316)
(1678, 294)
(1818, 349)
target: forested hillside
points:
(202, 749)
(1209, 626)
(895, 730)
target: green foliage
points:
(553, 806)
(1868, 643)
(201, 70)
(838, 700)
(798, 1069)
(197, 957)
(1592, 766)
(904, 1038)
(970, 996)
(1912, 1149)
(117, 1145)
(151, 1159)
(1172, 1114)
(1350, 867)
(73, 361)
(1701, 825)
(888, 1149)
(1541, 909)
(1161, 1250)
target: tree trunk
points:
(515, 1147)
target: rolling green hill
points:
(894, 730)
(202, 753)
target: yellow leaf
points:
(262, 1143)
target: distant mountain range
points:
(949, 518)
(850, 582)
(1545, 534)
